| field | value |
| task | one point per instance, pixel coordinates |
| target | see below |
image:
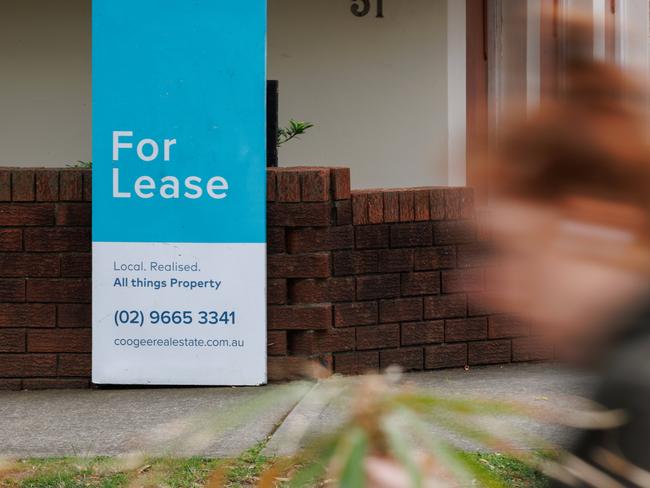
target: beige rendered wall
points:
(45, 82)
(375, 88)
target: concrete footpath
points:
(223, 422)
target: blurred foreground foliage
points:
(393, 436)
(200, 472)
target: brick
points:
(356, 363)
(454, 232)
(422, 206)
(316, 185)
(360, 208)
(12, 340)
(491, 352)
(61, 239)
(437, 201)
(27, 365)
(321, 239)
(355, 262)
(409, 359)
(74, 315)
(358, 313)
(372, 236)
(271, 185)
(88, 186)
(406, 206)
(531, 349)
(376, 208)
(422, 283)
(47, 186)
(71, 185)
(411, 235)
(56, 383)
(315, 265)
(10, 385)
(400, 310)
(59, 340)
(321, 291)
(463, 280)
(277, 292)
(343, 210)
(391, 206)
(378, 337)
(321, 341)
(23, 186)
(395, 260)
(414, 333)
(445, 307)
(378, 286)
(11, 240)
(5, 185)
(434, 258)
(445, 356)
(277, 342)
(26, 214)
(73, 214)
(27, 315)
(460, 330)
(299, 214)
(506, 326)
(76, 265)
(300, 317)
(288, 186)
(483, 304)
(59, 291)
(474, 255)
(29, 265)
(276, 240)
(74, 365)
(12, 290)
(340, 183)
(459, 203)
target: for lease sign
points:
(179, 253)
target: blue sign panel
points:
(179, 182)
(179, 97)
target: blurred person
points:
(570, 217)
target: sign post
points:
(179, 179)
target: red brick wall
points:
(357, 280)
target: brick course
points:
(357, 280)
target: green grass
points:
(246, 469)
(64, 473)
(108, 473)
(195, 472)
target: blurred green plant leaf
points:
(353, 473)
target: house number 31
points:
(361, 8)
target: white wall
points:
(45, 87)
(375, 88)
